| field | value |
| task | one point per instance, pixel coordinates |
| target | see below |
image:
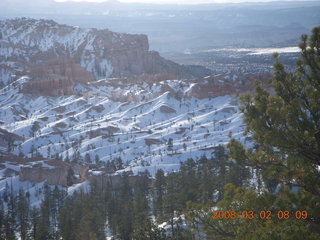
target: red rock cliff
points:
(60, 173)
(56, 77)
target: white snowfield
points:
(258, 51)
(138, 132)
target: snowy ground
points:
(137, 131)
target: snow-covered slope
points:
(133, 122)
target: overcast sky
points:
(179, 1)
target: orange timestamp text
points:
(264, 214)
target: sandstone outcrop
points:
(56, 77)
(152, 141)
(59, 173)
(167, 109)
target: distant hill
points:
(25, 43)
(180, 27)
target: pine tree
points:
(159, 192)
(118, 163)
(188, 184)
(172, 202)
(34, 223)
(184, 145)
(10, 225)
(207, 180)
(70, 177)
(66, 220)
(148, 231)
(285, 126)
(23, 215)
(87, 158)
(123, 219)
(141, 191)
(44, 230)
(2, 220)
(170, 144)
(97, 159)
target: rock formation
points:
(59, 173)
(102, 52)
(56, 77)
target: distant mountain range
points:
(181, 27)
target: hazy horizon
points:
(182, 27)
(181, 1)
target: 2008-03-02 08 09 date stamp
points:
(264, 214)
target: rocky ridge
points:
(56, 77)
(25, 42)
